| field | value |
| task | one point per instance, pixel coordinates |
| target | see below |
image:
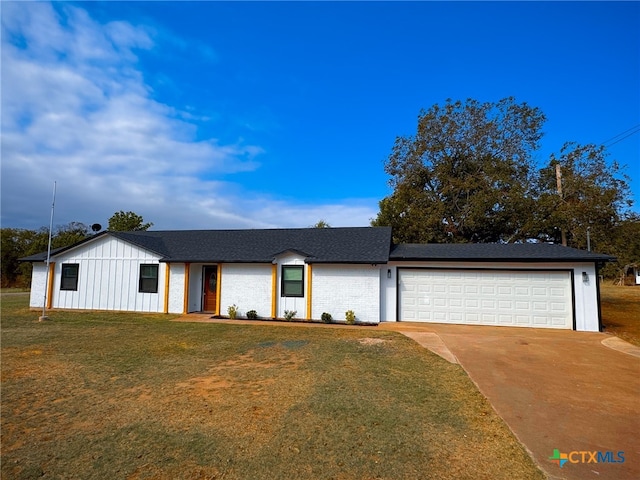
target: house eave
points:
(503, 259)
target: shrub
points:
(232, 310)
(289, 314)
(326, 317)
(350, 316)
(252, 315)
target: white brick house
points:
(332, 270)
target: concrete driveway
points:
(561, 390)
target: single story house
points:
(316, 270)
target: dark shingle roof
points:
(490, 252)
(327, 245)
(319, 245)
(42, 256)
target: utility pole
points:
(559, 186)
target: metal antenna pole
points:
(46, 283)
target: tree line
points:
(471, 174)
(19, 243)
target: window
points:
(293, 281)
(148, 279)
(69, 278)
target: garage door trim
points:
(489, 269)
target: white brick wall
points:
(297, 304)
(176, 288)
(338, 288)
(248, 287)
(38, 285)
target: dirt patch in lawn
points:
(256, 388)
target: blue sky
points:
(267, 114)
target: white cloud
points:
(75, 108)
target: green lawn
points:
(96, 396)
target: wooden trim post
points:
(218, 289)
(274, 290)
(166, 287)
(309, 275)
(52, 272)
(185, 308)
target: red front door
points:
(210, 281)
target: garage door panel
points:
(439, 289)
(471, 303)
(470, 289)
(489, 318)
(486, 297)
(539, 307)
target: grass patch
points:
(621, 311)
(103, 395)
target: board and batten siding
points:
(338, 288)
(108, 278)
(248, 286)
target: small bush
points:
(326, 317)
(289, 314)
(232, 310)
(252, 315)
(350, 316)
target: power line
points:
(627, 133)
(632, 133)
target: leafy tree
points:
(127, 222)
(14, 244)
(594, 196)
(321, 224)
(465, 176)
(624, 244)
(69, 234)
(18, 243)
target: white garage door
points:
(486, 297)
